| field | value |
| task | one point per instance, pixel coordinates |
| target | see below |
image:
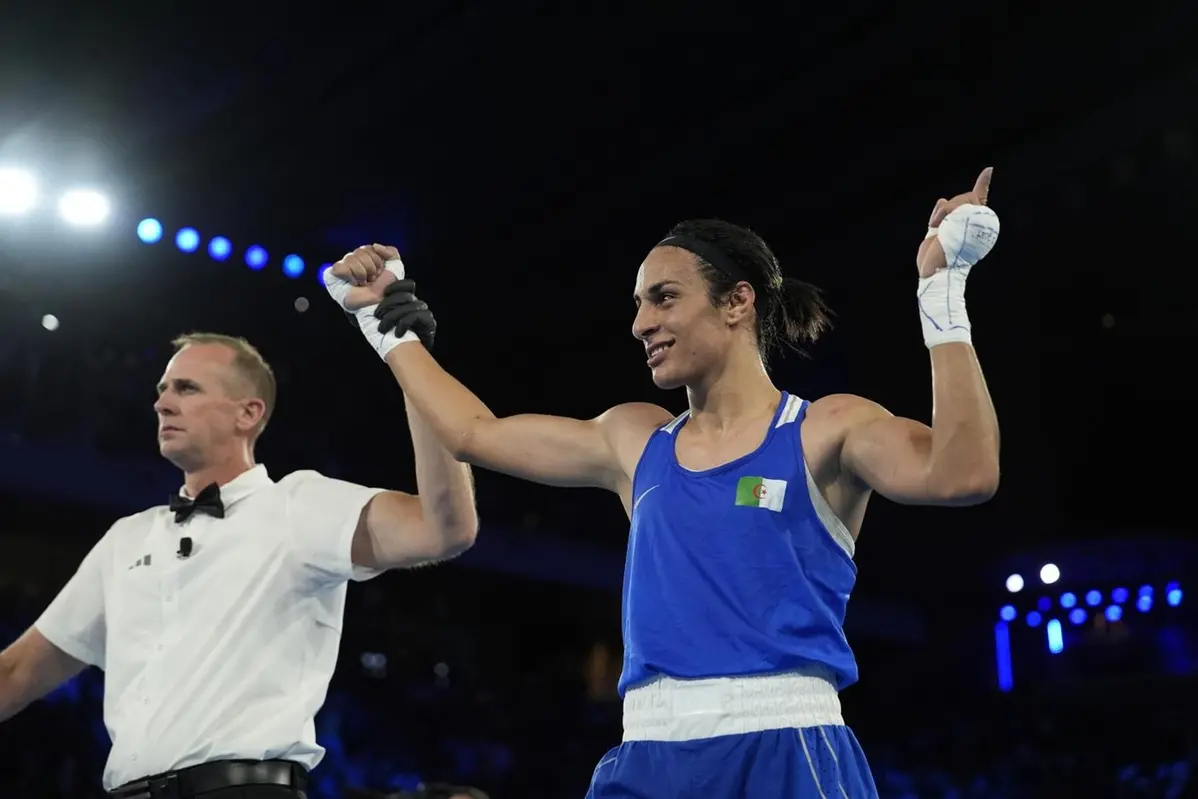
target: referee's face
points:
(197, 413)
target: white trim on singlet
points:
(827, 517)
(823, 511)
(673, 424)
(790, 412)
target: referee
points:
(217, 618)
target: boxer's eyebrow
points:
(655, 291)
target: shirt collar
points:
(240, 486)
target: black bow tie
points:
(208, 501)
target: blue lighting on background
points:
(256, 257)
(1056, 641)
(187, 239)
(149, 231)
(293, 266)
(1108, 604)
(220, 248)
(1002, 656)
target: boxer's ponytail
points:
(799, 316)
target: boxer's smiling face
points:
(201, 406)
(686, 335)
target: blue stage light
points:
(1056, 640)
(149, 231)
(1068, 600)
(187, 239)
(256, 257)
(293, 266)
(220, 248)
(1002, 655)
(1114, 613)
(1077, 616)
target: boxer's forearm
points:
(965, 437)
(445, 486)
(449, 408)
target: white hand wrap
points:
(966, 235)
(338, 289)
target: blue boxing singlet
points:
(738, 570)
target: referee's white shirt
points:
(226, 654)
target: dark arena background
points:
(524, 156)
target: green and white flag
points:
(760, 492)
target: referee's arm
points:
(31, 668)
(69, 635)
(398, 530)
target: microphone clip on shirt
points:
(185, 547)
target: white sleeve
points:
(75, 621)
(324, 514)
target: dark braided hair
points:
(790, 313)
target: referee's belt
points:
(188, 782)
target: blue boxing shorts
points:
(778, 736)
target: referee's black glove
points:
(402, 312)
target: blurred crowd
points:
(525, 714)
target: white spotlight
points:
(1049, 573)
(83, 207)
(50, 322)
(1015, 583)
(18, 191)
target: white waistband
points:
(670, 709)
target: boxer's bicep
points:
(558, 451)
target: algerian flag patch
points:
(761, 492)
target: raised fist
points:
(969, 245)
